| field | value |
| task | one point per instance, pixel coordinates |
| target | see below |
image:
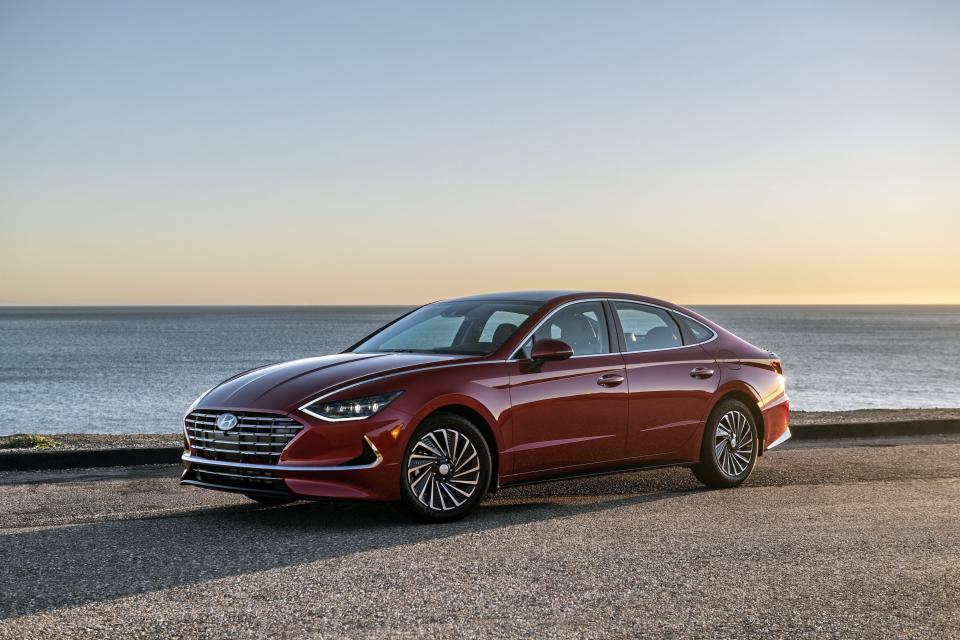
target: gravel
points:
(851, 539)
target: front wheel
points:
(730, 446)
(446, 469)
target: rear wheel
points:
(270, 501)
(446, 469)
(730, 446)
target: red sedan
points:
(462, 397)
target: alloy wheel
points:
(733, 443)
(443, 469)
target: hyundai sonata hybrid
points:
(461, 397)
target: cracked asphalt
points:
(841, 539)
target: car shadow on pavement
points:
(51, 568)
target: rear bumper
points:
(783, 438)
(776, 420)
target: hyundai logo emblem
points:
(226, 421)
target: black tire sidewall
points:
(467, 429)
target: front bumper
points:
(186, 457)
(318, 463)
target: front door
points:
(570, 412)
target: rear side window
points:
(647, 328)
(693, 331)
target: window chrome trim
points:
(668, 310)
(186, 457)
(593, 355)
(566, 304)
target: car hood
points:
(287, 385)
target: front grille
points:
(252, 480)
(258, 437)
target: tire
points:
(446, 469)
(730, 446)
(270, 501)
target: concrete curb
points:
(81, 458)
(875, 429)
(34, 460)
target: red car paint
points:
(586, 414)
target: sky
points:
(400, 152)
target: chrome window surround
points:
(679, 313)
(553, 313)
(283, 467)
(594, 355)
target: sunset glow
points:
(225, 154)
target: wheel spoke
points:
(429, 447)
(466, 471)
(735, 463)
(443, 505)
(423, 476)
(446, 489)
(456, 444)
(464, 463)
(436, 442)
(720, 448)
(466, 494)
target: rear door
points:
(670, 384)
(571, 412)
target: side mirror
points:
(549, 349)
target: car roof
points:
(562, 296)
(531, 296)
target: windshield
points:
(468, 327)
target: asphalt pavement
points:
(844, 539)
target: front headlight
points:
(352, 409)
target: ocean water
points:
(135, 370)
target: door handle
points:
(610, 380)
(702, 372)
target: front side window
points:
(647, 328)
(581, 325)
(467, 327)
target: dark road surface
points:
(845, 539)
